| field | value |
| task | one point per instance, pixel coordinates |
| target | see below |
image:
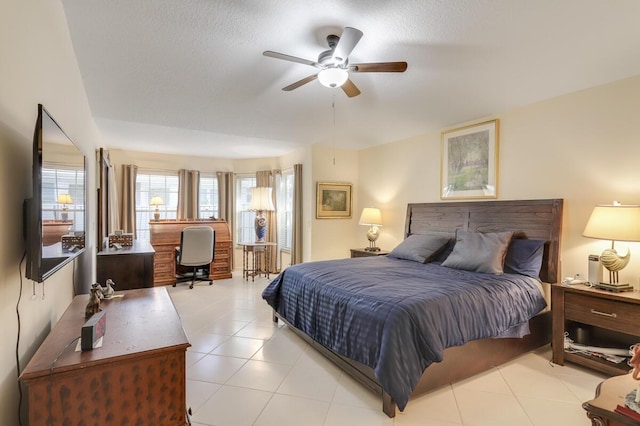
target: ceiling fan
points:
(334, 63)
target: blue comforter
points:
(397, 316)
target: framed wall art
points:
(333, 201)
(469, 162)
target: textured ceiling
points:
(188, 76)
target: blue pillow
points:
(419, 248)
(524, 257)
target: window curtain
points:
(128, 218)
(266, 179)
(296, 231)
(114, 216)
(225, 202)
(188, 187)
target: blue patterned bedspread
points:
(397, 316)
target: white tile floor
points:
(242, 369)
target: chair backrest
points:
(196, 245)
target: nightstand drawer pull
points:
(604, 314)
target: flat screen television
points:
(55, 214)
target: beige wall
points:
(38, 66)
(583, 147)
(332, 238)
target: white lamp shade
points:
(156, 201)
(371, 216)
(333, 77)
(261, 199)
(614, 222)
(64, 199)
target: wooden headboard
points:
(536, 219)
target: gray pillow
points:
(419, 248)
(479, 252)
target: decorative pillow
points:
(419, 248)
(479, 252)
(524, 257)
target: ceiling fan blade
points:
(300, 83)
(290, 58)
(348, 40)
(379, 67)
(350, 89)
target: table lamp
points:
(614, 222)
(156, 201)
(372, 217)
(261, 201)
(64, 199)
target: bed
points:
(403, 327)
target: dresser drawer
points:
(610, 314)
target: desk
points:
(130, 267)
(165, 237)
(260, 252)
(609, 394)
(136, 377)
(53, 230)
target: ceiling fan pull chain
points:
(333, 107)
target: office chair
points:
(195, 253)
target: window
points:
(63, 180)
(147, 185)
(245, 233)
(208, 196)
(284, 200)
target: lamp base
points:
(156, 216)
(372, 248)
(260, 225)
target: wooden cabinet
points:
(130, 267)
(594, 318)
(165, 237)
(136, 377)
(364, 253)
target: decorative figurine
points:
(98, 289)
(93, 307)
(108, 291)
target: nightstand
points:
(594, 318)
(360, 252)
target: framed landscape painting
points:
(333, 201)
(469, 162)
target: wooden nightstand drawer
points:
(610, 314)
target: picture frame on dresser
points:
(469, 161)
(333, 200)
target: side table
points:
(260, 259)
(609, 394)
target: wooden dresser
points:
(136, 377)
(165, 237)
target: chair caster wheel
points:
(174, 284)
(191, 286)
(210, 282)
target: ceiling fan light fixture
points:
(333, 77)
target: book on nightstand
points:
(628, 412)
